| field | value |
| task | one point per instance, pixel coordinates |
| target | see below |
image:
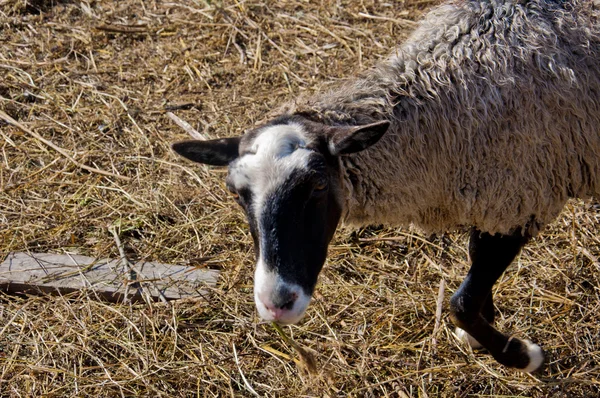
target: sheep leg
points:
(487, 311)
(472, 305)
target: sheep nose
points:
(279, 303)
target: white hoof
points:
(536, 356)
(467, 339)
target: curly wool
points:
(495, 111)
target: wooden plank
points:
(108, 279)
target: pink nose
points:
(278, 303)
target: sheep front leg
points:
(472, 305)
(487, 311)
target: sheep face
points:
(285, 175)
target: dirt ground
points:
(90, 83)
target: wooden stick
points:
(399, 21)
(107, 279)
(438, 313)
(186, 126)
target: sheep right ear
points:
(219, 152)
(351, 139)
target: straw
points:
(88, 85)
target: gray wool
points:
(495, 112)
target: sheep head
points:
(286, 177)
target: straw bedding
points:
(90, 82)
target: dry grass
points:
(94, 78)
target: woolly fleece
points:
(495, 111)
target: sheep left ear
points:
(219, 152)
(350, 139)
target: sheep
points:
(486, 118)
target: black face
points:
(295, 222)
(292, 210)
(287, 189)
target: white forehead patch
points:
(279, 141)
(275, 153)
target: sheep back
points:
(495, 111)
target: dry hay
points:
(94, 78)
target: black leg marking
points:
(472, 307)
(487, 311)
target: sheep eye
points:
(320, 187)
(233, 192)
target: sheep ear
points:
(218, 152)
(351, 139)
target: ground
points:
(94, 80)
